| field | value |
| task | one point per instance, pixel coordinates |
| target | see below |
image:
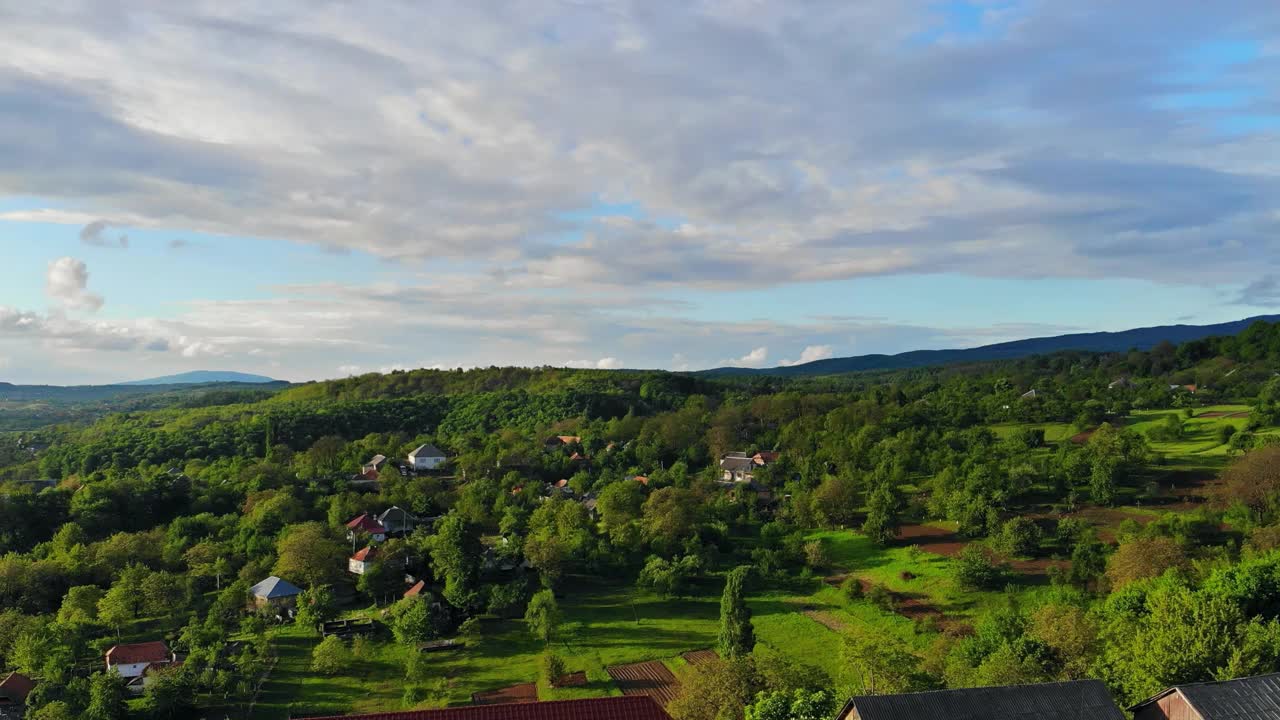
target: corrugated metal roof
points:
(1079, 700)
(1254, 698)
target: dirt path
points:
(522, 693)
(826, 619)
(650, 678)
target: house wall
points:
(1171, 707)
(427, 463)
(355, 566)
(131, 670)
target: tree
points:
(1144, 558)
(737, 635)
(1254, 481)
(107, 697)
(1020, 536)
(117, 607)
(316, 605)
(835, 502)
(794, 705)
(559, 533)
(717, 690)
(543, 616)
(169, 694)
(309, 552)
(56, 710)
(331, 656)
(669, 517)
(164, 593)
(883, 511)
(417, 620)
(455, 557)
(976, 568)
(80, 605)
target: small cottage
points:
(276, 593)
(426, 457)
(1252, 698)
(135, 661)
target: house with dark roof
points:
(739, 467)
(275, 592)
(623, 707)
(14, 689)
(427, 457)
(135, 661)
(398, 521)
(1252, 698)
(1048, 701)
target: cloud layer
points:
(585, 164)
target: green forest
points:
(1066, 516)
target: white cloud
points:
(67, 282)
(348, 370)
(605, 363)
(754, 359)
(811, 353)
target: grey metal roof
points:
(426, 450)
(273, 587)
(1253, 698)
(1078, 700)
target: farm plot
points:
(522, 693)
(650, 678)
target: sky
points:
(313, 190)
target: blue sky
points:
(312, 192)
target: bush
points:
(816, 555)
(1020, 536)
(881, 596)
(1224, 433)
(551, 668)
(331, 656)
(851, 588)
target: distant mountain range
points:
(1140, 339)
(200, 377)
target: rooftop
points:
(132, 653)
(1252, 698)
(1048, 701)
(273, 587)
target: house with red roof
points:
(14, 689)
(416, 590)
(555, 442)
(623, 707)
(362, 560)
(134, 661)
(366, 524)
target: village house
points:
(416, 589)
(426, 457)
(1123, 383)
(1031, 394)
(275, 593)
(1253, 698)
(365, 524)
(396, 521)
(135, 661)
(14, 689)
(739, 467)
(360, 562)
(1048, 701)
(622, 707)
(556, 442)
(375, 465)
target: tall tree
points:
(309, 553)
(107, 697)
(883, 510)
(737, 636)
(455, 557)
(543, 616)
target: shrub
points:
(331, 656)
(881, 596)
(851, 588)
(976, 568)
(1020, 536)
(550, 668)
(816, 555)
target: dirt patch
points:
(931, 539)
(575, 679)
(826, 619)
(650, 678)
(522, 693)
(1213, 414)
(1081, 438)
(700, 657)
(915, 608)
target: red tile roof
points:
(365, 554)
(364, 522)
(765, 457)
(416, 590)
(147, 652)
(626, 707)
(16, 687)
(641, 479)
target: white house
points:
(133, 661)
(427, 457)
(361, 561)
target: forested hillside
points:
(1063, 516)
